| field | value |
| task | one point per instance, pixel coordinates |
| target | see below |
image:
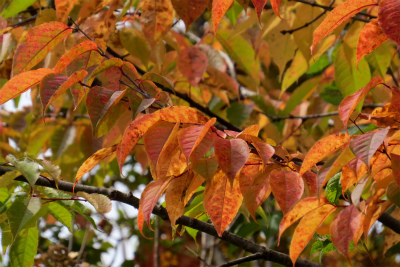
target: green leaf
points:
(260, 211)
(334, 189)
(322, 245)
(100, 202)
(300, 94)
(8, 177)
(233, 13)
(237, 113)
(319, 65)
(380, 58)
(20, 211)
(16, 6)
(27, 167)
(24, 248)
(332, 94)
(393, 193)
(62, 214)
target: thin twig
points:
(310, 22)
(254, 257)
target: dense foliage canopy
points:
(257, 132)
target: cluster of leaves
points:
(136, 105)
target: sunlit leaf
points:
(219, 8)
(388, 17)
(371, 37)
(100, 202)
(24, 248)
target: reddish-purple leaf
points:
(350, 102)
(364, 146)
(357, 192)
(389, 18)
(343, 228)
(371, 37)
(266, 151)
(287, 188)
(231, 155)
(189, 10)
(192, 64)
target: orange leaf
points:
(321, 149)
(374, 211)
(302, 208)
(63, 8)
(350, 102)
(155, 139)
(249, 171)
(276, 6)
(73, 53)
(259, 6)
(21, 83)
(364, 146)
(396, 167)
(192, 64)
(190, 138)
(50, 88)
(189, 10)
(231, 155)
(40, 40)
(306, 229)
(150, 196)
(156, 19)
(113, 62)
(371, 37)
(136, 130)
(140, 221)
(338, 15)
(222, 201)
(219, 8)
(344, 227)
(389, 18)
(259, 191)
(287, 188)
(95, 159)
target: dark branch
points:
(253, 257)
(267, 254)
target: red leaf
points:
(322, 149)
(302, 208)
(389, 18)
(21, 83)
(310, 179)
(53, 85)
(396, 167)
(222, 200)
(40, 40)
(343, 228)
(74, 53)
(338, 15)
(259, 6)
(155, 139)
(276, 6)
(231, 155)
(364, 146)
(136, 130)
(371, 37)
(259, 191)
(150, 196)
(140, 221)
(306, 229)
(219, 8)
(190, 137)
(266, 151)
(192, 64)
(189, 10)
(287, 188)
(350, 102)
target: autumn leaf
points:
(63, 8)
(374, 211)
(192, 64)
(302, 208)
(189, 10)
(287, 188)
(206, 167)
(150, 196)
(100, 202)
(322, 149)
(306, 229)
(266, 151)
(337, 16)
(50, 88)
(21, 83)
(344, 227)
(370, 38)
(364, 146)
(140, 222)
(350, 102)
(114, 62)
(222, 200)
(219, 8)
(74, 53)
(396, 167)
(388, 18)
(156, 19)
(259, 6)
(40, 40)
(231, 155)
(276, 6)
(94, 160)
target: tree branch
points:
(267, 254)
(253, 257)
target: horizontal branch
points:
(254, 257)
(128, 198)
